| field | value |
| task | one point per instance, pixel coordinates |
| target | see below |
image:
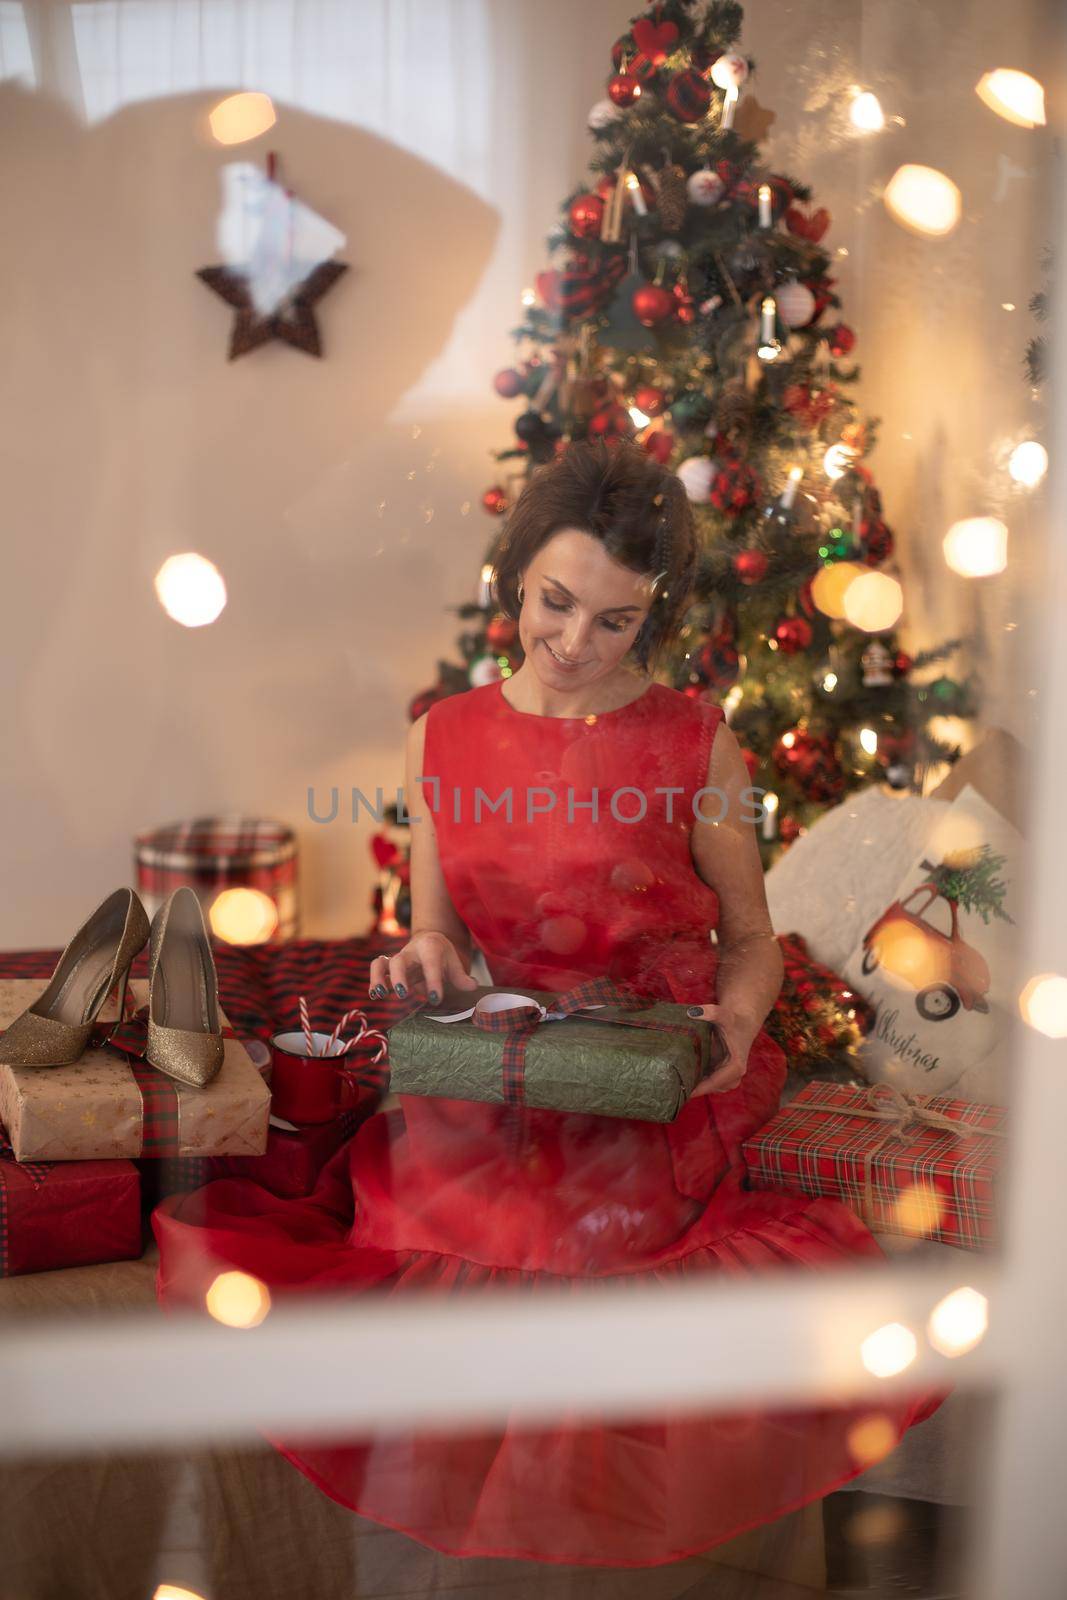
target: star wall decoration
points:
(292, 320)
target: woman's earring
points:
(522, 591)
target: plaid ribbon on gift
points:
(160, 1127)
(518, 1023)
(933, 1146)
(37, 1172)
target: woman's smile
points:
(561, 661)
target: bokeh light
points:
(873, 602)
(918, 1209)
(241, 117)
(924, 200)
(871, 1438)
(977, 547)
(830, 583)
(1028, 463)
(958, 1322)
(190, 589)
(243, 916)
(238, 1300)
(1013, 95)
(837, 460)
(889, 1350)
(1043, 1004)
(865, 112)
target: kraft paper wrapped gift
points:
(109, 1104)
(640, 1063)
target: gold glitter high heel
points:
(56, 1028)
(184, 1031)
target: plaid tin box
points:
(216, 853)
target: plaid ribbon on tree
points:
(36, 1171)
(518, 1023)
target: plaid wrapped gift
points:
(215, 853)
(289, 1168)
(66, 1214)
(110, 1104)
(923, 1165)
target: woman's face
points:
(580, 611)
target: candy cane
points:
(306, 1025)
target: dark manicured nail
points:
(434, 997)
(378, 992)
(401, 991)
(694, 1011)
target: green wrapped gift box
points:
(613, 1061)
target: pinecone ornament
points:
(673, 197)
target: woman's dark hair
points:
(638, 510)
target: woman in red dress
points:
(627, 838)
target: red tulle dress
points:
(441, 1194)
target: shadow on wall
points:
(128, 436)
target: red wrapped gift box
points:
(289, 1168)
(924, 1165)
(66, 1213)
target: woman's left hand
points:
(739, 1036)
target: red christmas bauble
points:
(652, 305)
(810, 761)
(508, 383)
(501, 632)
(788, 829)
(735, 487)
(495, 500)
(842, 339)
(586, 215)
(793, 635)
(649, 399)
(611, 423)
(424, 700)
(689, 95)
(876, 541)
(624, 89)
(902, 663)
(660, 445)
(750, 565)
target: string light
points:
(1028, 463)
(190, 589)
(637, 199)
(529, 298)
(869, 741)
(789, 493)
(1013, 95)
(764, 196)
(924, 200)
(638, 418)
(865, 112)
(977, 547)
(1043, 1004)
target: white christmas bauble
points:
(484, 669)
(729, 72)
(705, 187)
(602, 113)
(796, 303)
(669, 249)
(697, 474)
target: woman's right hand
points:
(430, 958)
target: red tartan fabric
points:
(811, 1148)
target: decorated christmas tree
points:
(692, 307)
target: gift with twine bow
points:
(583, 1050)
(921, 1165)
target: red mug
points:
(308, 1089)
